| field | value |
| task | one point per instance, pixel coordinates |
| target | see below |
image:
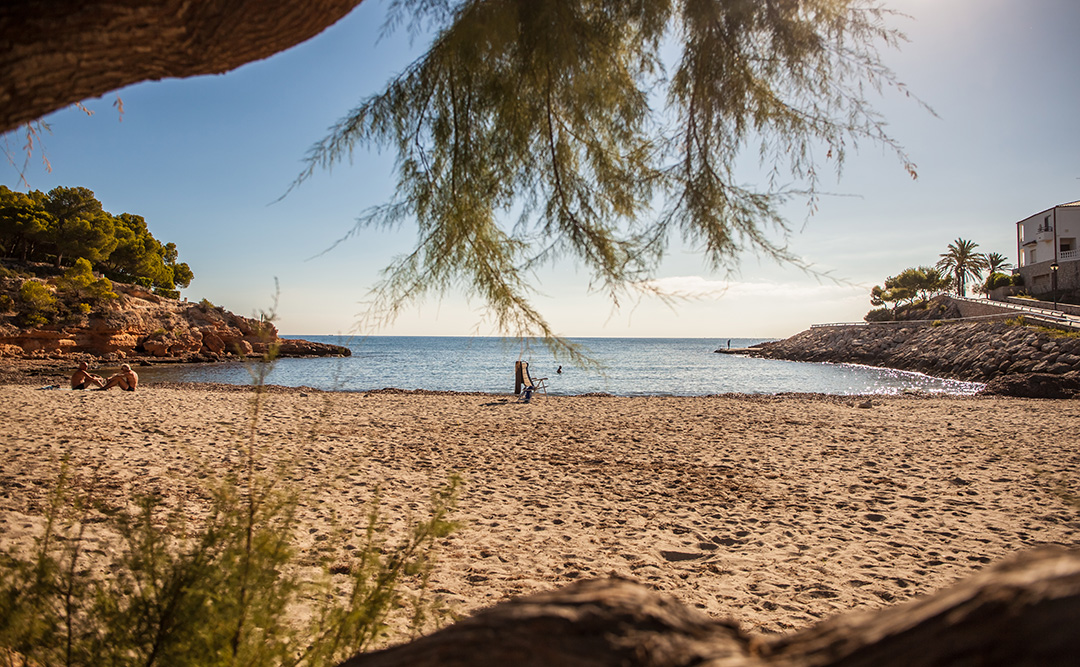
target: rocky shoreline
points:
(1011, 358)
(140, 324)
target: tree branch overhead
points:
(53, 54)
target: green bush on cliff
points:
(79, 282)
(37, 305)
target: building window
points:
(1032, 255)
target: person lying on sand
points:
(126, 379)
(83, 378)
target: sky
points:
(206, 161)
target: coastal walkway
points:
(1043, 315)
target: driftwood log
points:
(1025, 611)
(56, 53)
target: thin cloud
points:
(701, 288)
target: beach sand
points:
(775, 511)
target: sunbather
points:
(126, 379)
(83, 378)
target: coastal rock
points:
(139, 323)
(974, 351)
(1021, 612)
(1036, 385)
(294, 347)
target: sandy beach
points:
(776, 511)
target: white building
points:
(1046, 240)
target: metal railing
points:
(1047, 315)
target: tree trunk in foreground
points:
(56, 53)
(1021, 612)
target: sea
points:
(625, 367)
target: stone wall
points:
(983, 308)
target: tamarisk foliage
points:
(537, 129)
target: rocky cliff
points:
(139, 323)
(1005, 354)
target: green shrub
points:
(35, 295)
(80, 281)
(37, 305)
(167, 293)
(997, 280)
(6, 303)
(1018, 280)
(78, 277)
(879, 315)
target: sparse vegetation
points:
(221, 590)
(63, 298)
(952, 272)
(908, 287)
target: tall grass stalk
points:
(222, 590)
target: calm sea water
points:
(632, 367)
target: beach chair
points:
(524, 384)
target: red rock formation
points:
(140, 323)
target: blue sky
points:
(204, 161)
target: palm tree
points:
(963, 262)
(997, 263)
